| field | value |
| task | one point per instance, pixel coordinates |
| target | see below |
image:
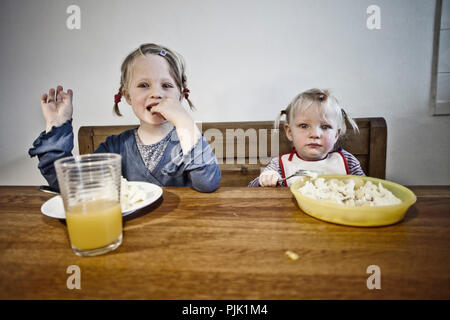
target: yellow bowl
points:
(356, 216)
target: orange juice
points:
(94, 224)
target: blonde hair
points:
(176, 69)
(329, 108)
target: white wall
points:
(245, 60)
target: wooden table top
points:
(230, 244)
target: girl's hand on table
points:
(269, 178)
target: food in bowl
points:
(362, 216)
(351, 192)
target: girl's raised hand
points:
(56, 107)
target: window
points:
(440, 104)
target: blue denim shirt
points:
(198, 169)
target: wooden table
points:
(229, 244)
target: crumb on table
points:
(292, 255)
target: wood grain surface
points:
(230, 244)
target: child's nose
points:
(314, 132)
(155, 93)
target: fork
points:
(48, 189)
(301, 172)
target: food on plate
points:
(130, 195)
(351, 192)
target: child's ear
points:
(288, 131)
(127, 97)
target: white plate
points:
(54, 207)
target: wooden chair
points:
(243, 148)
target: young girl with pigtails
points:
(314, 123)
(166, 149)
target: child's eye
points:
(325, 127)
(167, 85)
(303, 125)
(143, 85)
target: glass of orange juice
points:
(90, 189)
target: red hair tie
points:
(117, 98)
(186, 93)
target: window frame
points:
(438, 108)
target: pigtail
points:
(349, 121)
(117, 98)
(185, 91)
(276, 123)
(191, 105)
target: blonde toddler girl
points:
(314, 123)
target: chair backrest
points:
(243, 148)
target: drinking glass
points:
(90, 189)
